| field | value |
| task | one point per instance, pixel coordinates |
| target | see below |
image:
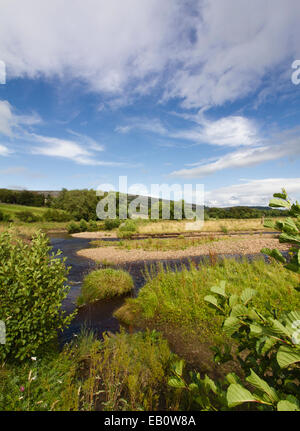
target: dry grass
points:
(232, 225)
(27, 230)
(157, 244)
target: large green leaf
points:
(288, 406)
(274, 253)
(279, 203)
(220, 290)
(177, 383)
(262, 385)
(268, 345)
(282, 195)
(212, 300)
(270, 224)
(288, 355)
(236, 395)
(231, 325)
(239, 310)
(247, 295)
(289, 226)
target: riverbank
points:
(239, 245)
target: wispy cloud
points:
(254, 192)
(4, 151)
(232, 131)
(67, 149)
(290, 147)
(21, 171)
(11, 122)
(151, 125)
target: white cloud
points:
(236, 44)
(232, 131)
(4, 151)
(67, 149)
(152, 125)
(6, 118)
(204, 52)
(10, 120)
(289, 147)
(22, 171)
(253, 193)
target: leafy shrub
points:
(290, 231)
(73, 227)
(127, 229)
(56, 215)
(104, 283)
(128, 226)
(32, 288)
(111, 224)
(272, 350)
(93, 226)
(83, 227)
(26, 216)
(4, 217)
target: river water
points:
(99, 316)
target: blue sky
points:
(162, 92)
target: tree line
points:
(81, 205)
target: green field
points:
(12, 209)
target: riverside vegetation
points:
(104, 284)
(241, 314)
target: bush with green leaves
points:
(4, 217)
(92, 226)
(127, 229)
(111, 224)
(27, 216)
(290, 231)
(73, 227)
(268, 350)
(56, 215)
(83, 226)
(32, 288)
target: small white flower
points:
(33, 358)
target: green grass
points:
(122, 372)
(12, 209)
(177, 298)
(104, 284)
(156, 244)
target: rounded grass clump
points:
(104, 284)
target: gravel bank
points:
(248, 244)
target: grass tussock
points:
(104, 284)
